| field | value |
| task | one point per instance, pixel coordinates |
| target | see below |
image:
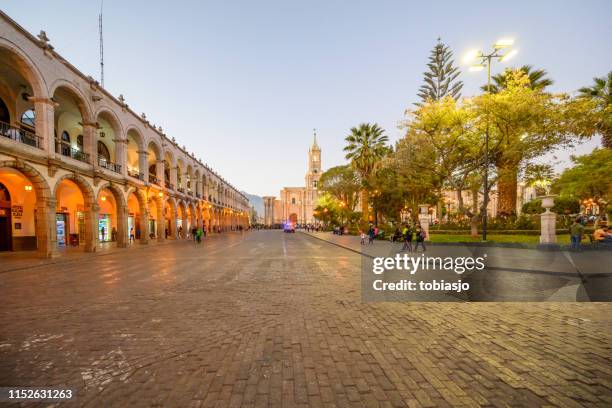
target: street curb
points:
(518, 245)
(336, 244)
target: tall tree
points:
(589, 178)
(441, 78)
(601, 93)
(538, 79)
(366, 146)
(526, 122)
(445, 143)
(343, 183)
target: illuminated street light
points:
(28, 188)
(478, 60)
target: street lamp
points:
(502, 52)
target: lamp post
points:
(484, 59)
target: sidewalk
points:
(560, 263)
(19, 260)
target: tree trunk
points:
(474, 225)
(474, 201)
(365, 213)
(507, 183)
(460, 207)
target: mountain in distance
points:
(257, 202)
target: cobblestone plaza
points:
(270, 319)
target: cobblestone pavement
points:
(273, 319)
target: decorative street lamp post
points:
(485, 61)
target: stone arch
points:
(184, 221)
(159, 204)
(46, 234)
(144, 212)
(121, 209)
(26, 67)
(170, 219)
(80, 98)
(90, 212)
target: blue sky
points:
(243, 83)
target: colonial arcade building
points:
(79, 167)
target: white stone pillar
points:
(548, 221)
(424, 218)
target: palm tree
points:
(601, 92)
(537, 78)
(366, 146)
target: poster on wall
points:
(17, 210)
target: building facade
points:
(79, 167)
(297, 204)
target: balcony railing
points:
(170, 186)
(153, 179)
(181, 190)
(20, 135)
(190, 192)
(102, 162)
(135, 173)
(65, 150)
(198, 195)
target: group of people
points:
(372, 233)
(410, 234)
(601, 235)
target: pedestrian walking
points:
(371, 236)
(407, 235)
(420, 238)
(198, 235)
(363, 236)
(576, 233)
(132, 234)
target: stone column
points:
(46, 232)
(548, 228)
(159, 171)
(91, 226)
(424, 219)
(161, 221)
(173, 179)
(143, 164)
(45, 125)
(122, 227)
(198, 187)
(121, 154)
(144, 224)
(90, 142)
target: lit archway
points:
(76, 213)
(138, 217)
(112, 216)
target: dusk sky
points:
(242, 84)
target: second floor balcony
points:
(66, 150)
(153, 179)
(135, 174)
(169, 185)
(181, 190)
(105, 163)
(20, 135)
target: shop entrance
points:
(6, 229)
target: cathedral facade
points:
(297, 204)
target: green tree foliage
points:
(443, 143)
(539, 176)
(538, 79)
(589, 178)
(441, 78)
(366, 146)
(564, 205)
(601, 93)
(342, 183)
(526, 122)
